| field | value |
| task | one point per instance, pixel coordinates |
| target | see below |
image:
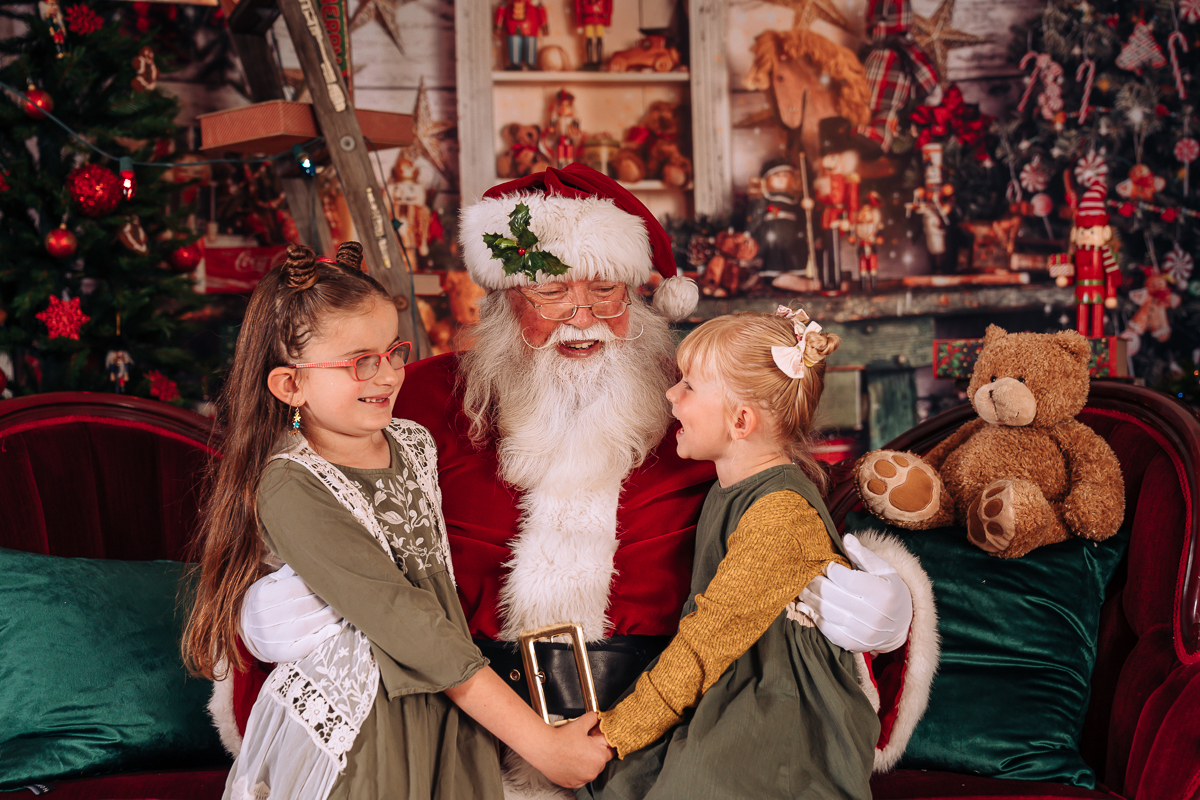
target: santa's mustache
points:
(569, 333)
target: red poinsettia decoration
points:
(162, 387)
(953, 119)
(63, 318)
(82, 20)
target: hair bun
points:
(820, 345)
(300, 269)
(350, 255)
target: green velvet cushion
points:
(1018, 646)
(91, 678)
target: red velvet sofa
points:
(135, 468)
(102, 476)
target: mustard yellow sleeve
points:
(779, 546)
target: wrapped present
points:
(955, 358)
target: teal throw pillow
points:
(1018, 647)
(91, 675)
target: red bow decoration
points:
(952, 119)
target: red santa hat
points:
(1092, 209)
(585, 221)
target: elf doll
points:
(1093, 266)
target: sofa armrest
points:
(1162, 760)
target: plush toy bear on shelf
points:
(1024, 474)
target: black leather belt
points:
(616, 663)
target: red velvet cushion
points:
(192, 784)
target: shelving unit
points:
(704, 87)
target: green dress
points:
(787, 719)
(414, 743)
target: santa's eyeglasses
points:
(561, 312)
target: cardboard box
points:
(955, 358)
(273, 127)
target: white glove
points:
(868, 609)
(282, 620)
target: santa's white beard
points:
(568, 431)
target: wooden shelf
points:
(896, 301)
(542, 76)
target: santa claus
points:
(564, 499)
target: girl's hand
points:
(574, 753)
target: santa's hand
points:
(863, 610)
(282, 620)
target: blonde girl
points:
(744, 702)
(316, 474)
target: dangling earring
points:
(295, 422)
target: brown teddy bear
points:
(523, 156)
(733, 269)
(651, 148)
(1026, 473)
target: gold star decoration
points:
(809, 11)
(383, 12)
(937, 36)
(428, 134)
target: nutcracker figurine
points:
(837, 188)
(934, 202)
(866, 233)
(563, 135)
(591, 18)
(775, 218)
(520, 21)
(1091, 262)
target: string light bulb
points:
(128, 181)
(306, 163)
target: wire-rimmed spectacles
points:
(561, 312)
(366, 366)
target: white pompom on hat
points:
(592, 224)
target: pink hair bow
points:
(790, 360)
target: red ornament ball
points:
(186, 258)
(95, 189)
(37, 103)
(61, 243)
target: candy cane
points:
(1088, 66)
(1172, 40)
(1037, 66)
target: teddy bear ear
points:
(1075, 345)
(994, 333)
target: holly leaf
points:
(541, 261)
(518, 221)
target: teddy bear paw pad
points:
(900, 483)
(991, 519)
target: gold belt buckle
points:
(535, 676)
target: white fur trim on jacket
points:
(562, 562)
(593, 237)
(924, 645)
(220, 708)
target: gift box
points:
(955, 358)
(274, 126)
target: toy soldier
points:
(837, 188)
(1094, 268)
(868, 225)
(591, 18)
(563, 135)
(520, 21)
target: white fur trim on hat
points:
(676, 297)
(593, 237)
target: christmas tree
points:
(1110, 101)
(93, 260)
